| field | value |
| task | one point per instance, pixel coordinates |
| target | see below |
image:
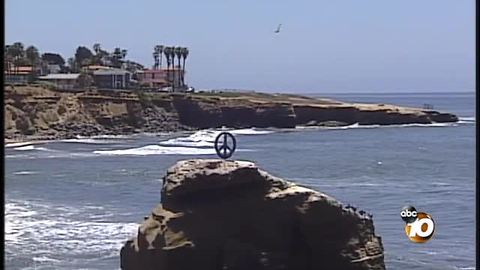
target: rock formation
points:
(36, 111)
(231, 215)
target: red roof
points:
(19, 70)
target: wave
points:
(31, 228)
(89, 141)
(20, 144)
(32, 147)
(104, 137)
(25, 173)
(156, 150)
(358, 126)
(467, 120)
(206, 138)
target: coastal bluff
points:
(217, 214)
(35, 112)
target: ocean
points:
(71, 204)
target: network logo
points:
(419, 226)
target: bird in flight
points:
(278, 29)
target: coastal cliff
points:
(218, 214)
(36, 112)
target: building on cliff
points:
(62, 81)
(20, 74)
(112, 78)
(161, 78)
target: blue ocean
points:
(71, 204)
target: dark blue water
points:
(72, 204)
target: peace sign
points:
(222, 147)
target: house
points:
(112, 78)
(19, 74)
(160, 78)
(62, 81)
(92, 68)
(152, 78)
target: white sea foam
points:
(33, 147)
(89, 141)
(156, 150)
(358, 126)
(250, 131)
(104, 137)
(198, 143)
(467, 120)
(32, 228)
(25, 173)
(8, 145)
(206, 138)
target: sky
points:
(323, 46)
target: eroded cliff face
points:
(231, 215)
(35, 111)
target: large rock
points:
(231, 215)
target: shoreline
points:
(39, 114)
(17, 142)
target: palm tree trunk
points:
(183, 72)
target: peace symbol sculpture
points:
(225, 145)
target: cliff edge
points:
(36, 112)
(231, 215)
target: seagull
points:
(278, 29)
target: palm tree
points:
(184, 56)
(155, 59)
(178, 53)
(172, 57)
(159, 51)
(167, 52)
(97, 47)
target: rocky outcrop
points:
(231, 215)
(36, 111)
(373, 114)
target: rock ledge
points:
(231, 215)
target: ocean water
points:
(72, 204)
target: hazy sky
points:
(324, 46)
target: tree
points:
(168, 54)
(72, 64)
(16, 52)
(117, 56)
(31, 53)
(155, 59)
(172, 57)
(83, 56)
(159, 49)
(166, 51)
(97, 48)
(178, 53)
(184, 56)
(53, 59)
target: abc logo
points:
(419, 225)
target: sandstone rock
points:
(231, 215)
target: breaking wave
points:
(156, 150)
(89, 141)
(467, 120)
(30, 227)
(358, 126)
(206, 138)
